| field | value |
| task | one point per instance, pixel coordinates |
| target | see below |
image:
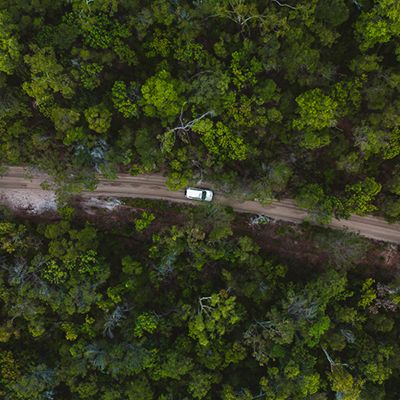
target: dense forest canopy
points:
(267, 98)
(188, 312)
(264, 98)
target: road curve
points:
(153, 186)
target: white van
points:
(199, 194)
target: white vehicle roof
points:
(196, 193)
(199, 194)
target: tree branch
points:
(284, 5)
(204, 307)
(190, 124)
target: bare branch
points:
(331, 361)
(189, 125)
(181, 115)
(329, 358)
(237, 14)
(204, 307)
(284, 4)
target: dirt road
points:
(152, 186)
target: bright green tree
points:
(10, 49)
(162, 97)
(316, 111)
(125, 101)
(98, 118)
(379, 24)
(47, 77)
(360, 196)
(221, 141)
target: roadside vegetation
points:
(264, 98)
(196, 310)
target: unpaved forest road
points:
(152, 186)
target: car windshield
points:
(203, 195)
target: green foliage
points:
(144, 221)
(36, 384)
(347, 94)
(317, 111)
(47, 77)
(213, 218)
(53, 273)
(161, 97)
(320, 206)
(139, 389)
(9, 369)
(270, 99)
(148, 149)
(344, 384)
(273, 98)
(12, 236)
(379, 25)
(98, 31)
(374, 141)
(242, 76)
(274, 182)
(70, 331)
(130, 266)
(145, 323)
(220, 140)
(64, 119)
(10, 50)
(122, 99)
(312, 140)
(333, 12)
(131, 318)
(89, 75)
(368, 293)
(98, 118)
(360, 196)
(215, 317)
